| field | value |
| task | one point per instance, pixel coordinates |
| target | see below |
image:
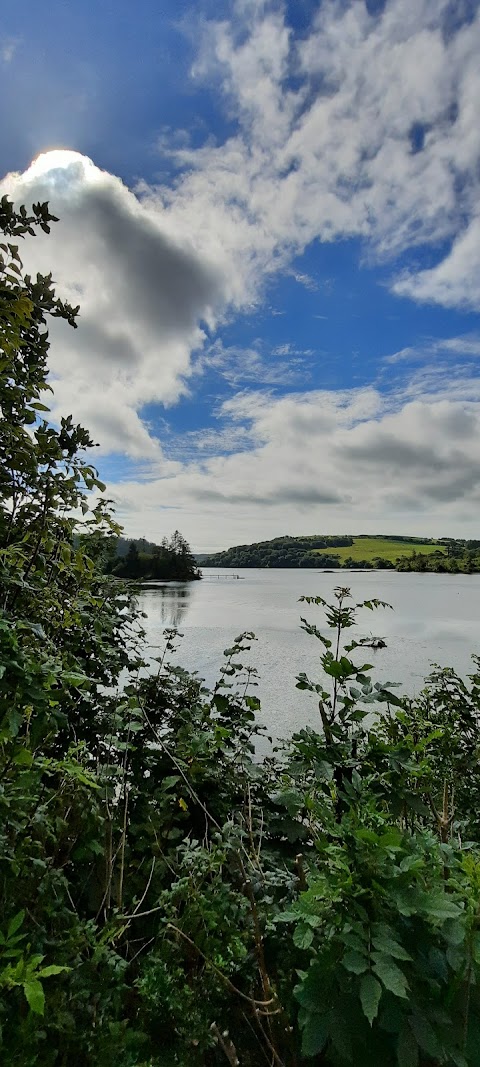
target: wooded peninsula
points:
(142, 560)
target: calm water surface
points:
(435, 619)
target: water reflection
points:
(168, 603)
(436, 619)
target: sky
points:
(270, 217)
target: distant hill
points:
(280, 552)
(385, 551)
(368, 549)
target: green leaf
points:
(392, 977)
(15, 924)
(221, 702)
(408, 902)
(324, 770)
(366, 835)
(315, 1034)
(440, 906)
(454, 932)
(407, 1049)
(170, 781)
(315, 989)
(35, 996)
(23, 758)
(388, 947)
(459, 1059)
(355, 962)
(53, 968)
(292, 800)
(370, 994)
(303, 936)
(425, 1036)
(455, 956)
(75, 678)
(303, 685)
(356, 781)
(438, 965)
(34, 962)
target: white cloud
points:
(441, 348)
(466, 345)
(455, 282)
(8, 48)
(379, 139)
(142, 296)
(352, 461)
(306, 280)
(283, 365)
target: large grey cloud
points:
(156, 281)
(288, 495)
(143, 296)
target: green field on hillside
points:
(372, 547)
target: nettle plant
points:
(388, 916)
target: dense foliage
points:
(455, 557)
(171, 559)
(281, 552)
(165, 898)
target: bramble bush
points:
(167, 897)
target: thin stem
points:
(250, 1000)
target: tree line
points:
(140, 559)
(454, 556)
(281, 552)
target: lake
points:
(435, 620)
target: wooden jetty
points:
(238, 577)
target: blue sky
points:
(270, 217)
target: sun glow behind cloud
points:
(58, 159)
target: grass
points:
(372, 547)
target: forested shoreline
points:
(171, 560)
(167, 898)
(329, 552)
